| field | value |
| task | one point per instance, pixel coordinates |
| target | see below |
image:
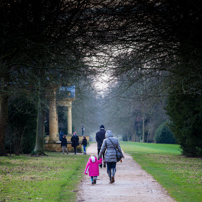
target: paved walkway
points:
(132, 183)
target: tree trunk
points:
(3, 122)
(143, 132)
(39, 145)
(133, 138)
(128, 137)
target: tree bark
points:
(3, 122)
(39, 145)
(143, 131)
(133, 138)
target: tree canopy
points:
(44, 41)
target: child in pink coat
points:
(92, 167)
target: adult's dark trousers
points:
(75, 150)
(111, 170)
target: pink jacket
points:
(92, 166)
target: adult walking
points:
(64, 144)
(100, 136)
(110, 144)
(61, 135)
(82, 130)
(84, 143)
(75, 141)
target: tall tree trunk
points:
(3, 122)
(39, 145)
(133, 138)
(143, 131)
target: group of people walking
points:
(106, 146)
(106, 153)
(74, 142)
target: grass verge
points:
(180, 176)
(49, 178)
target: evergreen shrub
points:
(164, 135)
(185, 112)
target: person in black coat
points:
(64, 144)
(84, 143)
(100, 136)
(75, 141)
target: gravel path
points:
(132, 183)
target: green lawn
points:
(55, 177)
(180, 176)
(48, 178)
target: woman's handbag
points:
(118, 153)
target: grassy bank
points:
(50, 178)
(180, 176)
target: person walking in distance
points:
(84, 143)
(64, 144)
(61, 135)
(100, 136)
(75, 141)
(82, 130)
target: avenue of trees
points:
(152, 49)
(41, 46)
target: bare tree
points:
(40, 41)
(156, 35)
